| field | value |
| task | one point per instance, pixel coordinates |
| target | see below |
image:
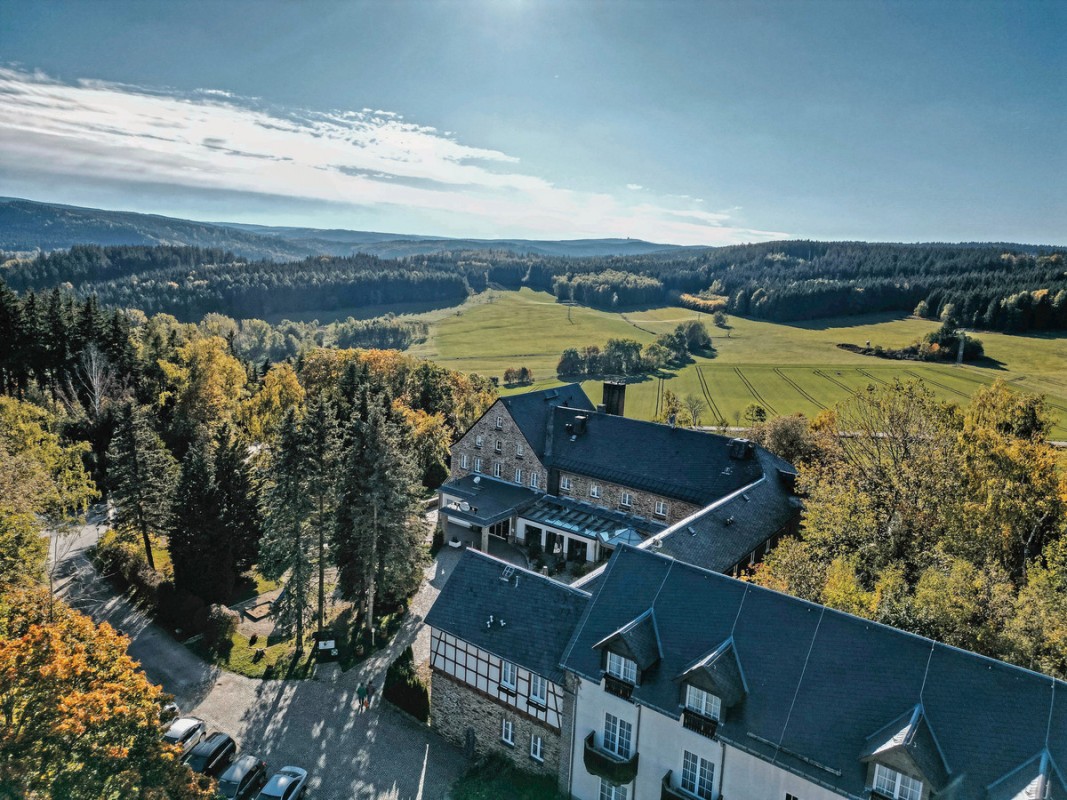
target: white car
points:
(287, 783)
(186, 732)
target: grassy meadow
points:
(784, 367)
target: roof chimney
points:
(579, 424)
(615, 397)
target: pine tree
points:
(143, 475)
(238, 498)
(287, 546)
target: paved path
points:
(379, 755)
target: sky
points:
(673, 121)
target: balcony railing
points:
(617, 687)
(698, 723)
(668, 792)
(607, 765)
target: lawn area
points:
(787, 368)
(277, 661)
(496, 778)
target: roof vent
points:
(692, 530)
(741, 449)
(728, 521)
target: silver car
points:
(186, 732)
(287, 783)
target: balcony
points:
(619, 688)
(698, 723)
(607, 765)
(668, 792)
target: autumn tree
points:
(205, 383)
(788, 437)
(263, 412)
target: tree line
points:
(627, 357)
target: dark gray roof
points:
(911, 737)
(725, 534)
(533, 615)
(637, 640)
(820, 682)
(1039, 778)
(679, 463)
(530, 410)
(489, 500)
(585, 519)
(720, 673)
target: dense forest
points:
(996, 287)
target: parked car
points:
(243, 777)
(186, 732)
(287, 783)
(212, 755)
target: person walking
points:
(370, 693)
(361, 696)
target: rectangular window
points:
(479, 441)
(704, 703)
(535, 480)
(609, 791)
(508, 675)
(498, 469)
(464, 461)
(565, 484)
(518, 475)
(622, 668)
(477, 464)
(661, 508)
(618, 735)
(791, 796)
(697, 775)
(499, 446)
(896, 784)
(538, 690)
(499, 423)
(507, 731)
(520, 449)
(627, 500)
(537, 748)
(594, 490)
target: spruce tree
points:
(240, 514)
(142, 478)
(322, 437)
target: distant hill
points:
(29, 225)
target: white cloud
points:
(634, 186)
(211, 140)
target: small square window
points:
(537, 748)
(520, 449)
(479, 441)
(661, 508)
(627, 500)
(594, 490)
(565, 484)
(507, 731)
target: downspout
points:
(574, 741)
(722, 765)
(637, 745)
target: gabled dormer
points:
(628, 653)
(709, 687)
(904, 760)
(1037, 778)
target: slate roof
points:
(638, 640)
(820, 682)
(1038, 779)
(530, 410)
(537, 612)
(585, 519)
(489, 500)
(725, 533)
(679, 463)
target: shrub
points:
(125, 565)
(405, 689)
(220, 626)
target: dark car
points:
(243, 777)
(212, 755)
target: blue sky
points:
(704, 122)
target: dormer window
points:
(622, 668)
(704, 703)
(896, 785)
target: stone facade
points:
(473, 722)
(496, 427)
(610, 497)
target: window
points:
(507, 731)
(622, 668)
(498, 469)
(499, 423)
(704, 703)
(538, 690)
(499, 446)
(537, 748)
(518, 475)
(791, 796)
(479, 441)
(477, 464)
(565, 484)
(661, 508)
(697, 775)
(508, 675)
(609, 791)
(896, 784)
(594, 490)
(465, 461)
(618, 734)
(535, 480)
(627, 500)
(520, 449)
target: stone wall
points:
(644, 503)
(510, 437)
(456, 710)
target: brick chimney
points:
(615, 397)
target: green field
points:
(785, 368)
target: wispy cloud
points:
(212, 141)
(633, 187)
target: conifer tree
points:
(322, 437)
(240, 515)
(143, 475)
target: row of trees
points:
(945, 521)
(627, 357)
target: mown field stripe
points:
(797, 386)
(755, 394)
(940, 385)
(866, 374)
(707, 394)
(835, 381)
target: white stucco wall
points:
(746, 777)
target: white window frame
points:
(621, 667)
(509, 675)
(565, 483)
(498, 469)
(479, 440)
(698, 776)
(520, 449)
(499, 446)
(518, 475)
(507, 731)
(594, 490)
(538, 690)
(609, 791)
(618, 736)
(535, 480)
(703, 702)
(500, 423)
(662, 508)
(464, 461)
(627, 500)
(477, 464)
(896, 784)
(537, 748)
